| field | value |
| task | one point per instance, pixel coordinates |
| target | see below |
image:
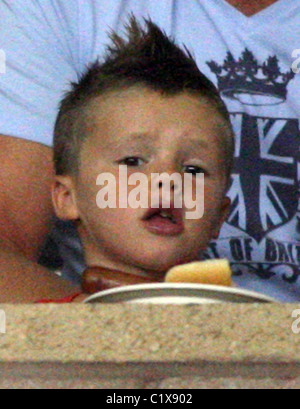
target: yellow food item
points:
(213, 272)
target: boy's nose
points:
(162, 184)
(165, 177)
(166, 188)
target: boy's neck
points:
(249, 8)
(95, 256)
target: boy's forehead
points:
(143, 117)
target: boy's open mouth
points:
(164, 221)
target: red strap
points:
(65, 300)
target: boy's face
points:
(149, 133)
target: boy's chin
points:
(163, 263)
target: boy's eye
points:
(132, 161)
(194, 170)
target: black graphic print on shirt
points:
(264, 175)
(250, 83)
(263, 223)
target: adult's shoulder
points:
(38, 61)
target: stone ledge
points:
(136, 345)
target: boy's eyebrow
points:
(145, 137)
(197, 143)
(136, 137)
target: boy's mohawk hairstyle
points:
(153, 57)
(146, 57)
(150, 55)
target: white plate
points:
(177, 294)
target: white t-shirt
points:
(48, 43)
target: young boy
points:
(148, 108)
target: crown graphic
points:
(250, 83)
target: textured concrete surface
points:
(139, 346)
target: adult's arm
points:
(37, 39)
(26, 174)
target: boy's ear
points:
(63, 198)
(224, 212)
